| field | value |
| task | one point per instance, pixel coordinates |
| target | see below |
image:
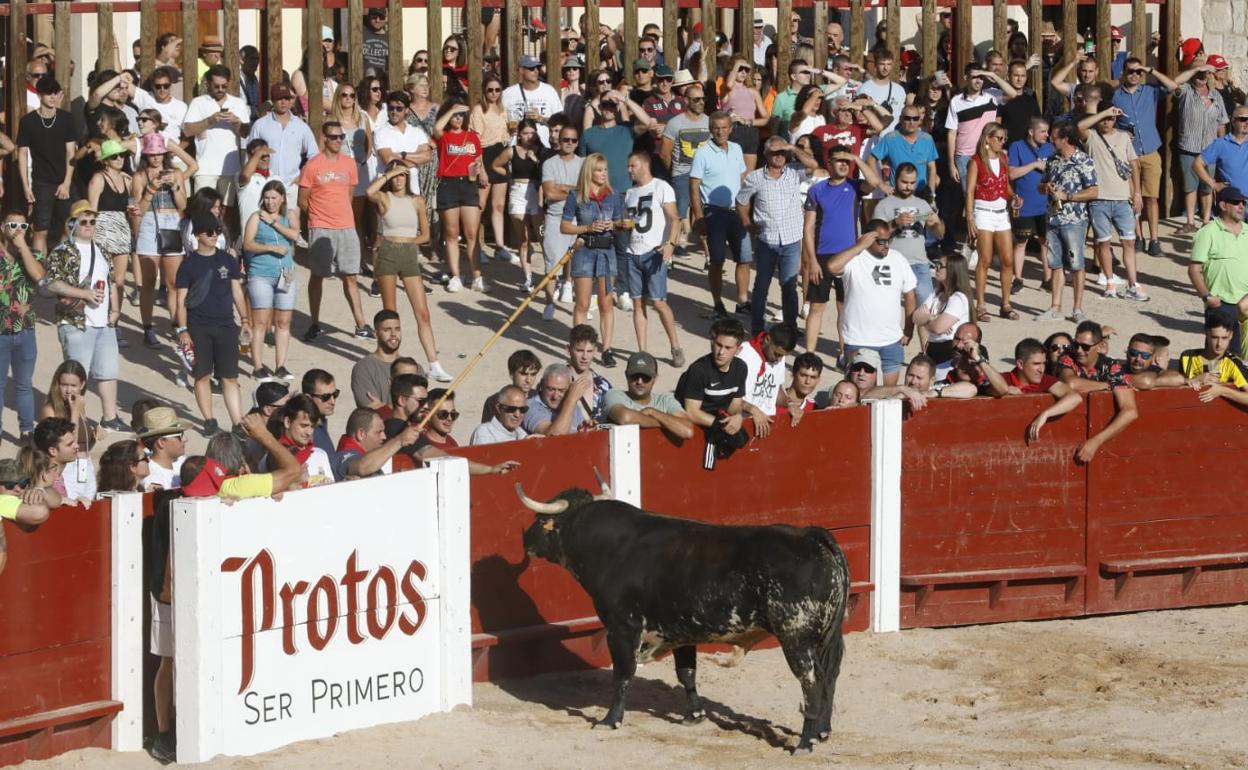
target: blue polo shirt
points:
(289, 144)
(720, 171)
(1027, 186)
(894, 150)
(1228, 159)
(1140, 108)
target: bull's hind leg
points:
(687, 675)
(800, 654)
(622, 643)
(828, 683)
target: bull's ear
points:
(548, 524)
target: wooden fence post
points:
(190, 50)
(857, 33)
(591, 37)
(147, 37)
(745, 31)
(513, 20)
(105, 38)
(784, 46)
(396, 66)
(671, 45)
(709, 49)
(355, 40)
(63, 47)
(232, 58)
(964, 43)
(1104, 51)
(893, 38)
(15, 82)
(1000, 29)
(930, 36)
(821, 35)
(433, 31)
(554, 40)
(631, 41)
(476, 49)
(316, 66)
(1070, 32)
(272, 46)
(1139, 30)
(1035, 31)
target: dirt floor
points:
(1149, 690)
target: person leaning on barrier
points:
(1213, 370)
(21, 503)
(712, 390)
(800, 397)
(523, 366)
(510, 407)
(560, 404)
(223, 470)
(1029, 376)
(1087, 369)
(970, 363)
(364, 449)
(638, 404)
(920, 384)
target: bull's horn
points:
(559, 506)
(606, 490)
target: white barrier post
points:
(625, 452)
(886, 515)
(454, 540)
(197, 636)
(128, 593)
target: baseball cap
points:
(641, 63)
(1230, 195)
(269, 392)
(663, 71)
(208, 482)
(205, 223)
(1217, 61)
(378, 13)
(1189, 49)
(529, 62)
(758, 21)
(641, 362)
(1115, 33)
(327, 32)
(11, 473)
(280, 91)
(865, 356)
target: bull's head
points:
(541, 539)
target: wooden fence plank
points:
(893, 38)
(964, 42)
(1139, 30)
(1000, 30)
(396, 67)
(15, 73)
(62, 44)
(631, 41)
(745, 30)
(857, 33)
(272, 45)
(554, 56)
(476, 49)
(708, 41)
(1104, 52)
(784, 46)
(821, 35)
(513, 20)
(190, 50)
(591, 37)
(355, 40)
(671, 45)
(1035, 30)
(316, 66)
(147, 37)
(929, 34)
(105, 38)
(232, 58)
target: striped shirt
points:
(1198, 123)
(777, 204)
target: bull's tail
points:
(831, 647)
(730, 659)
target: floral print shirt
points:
(16, 292)
(63, 264)
(1070, 175)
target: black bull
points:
(663, 584)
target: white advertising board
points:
(338, 607)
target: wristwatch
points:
(1205, 298)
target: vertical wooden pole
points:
(105, 38)
(857, 33)
(272, 44)
(929, 35)
(355, 40)
(476, 49)
(1000, 30)
(893, 38)
(591, 37)
(190, 50)
(433, 30)
(821, 35)
(784, 46)
(1171, 34)
(1104, 52)
(964, 42)
(396, 66)
(315, 75)
(62, 45)
(671, 47)
(232, 58)
(745, 29)
(147, 34)
(1070, 32)
(554, 57)
(1139, 31)
(513, 19)
(709, 49)
(631, 39)
(15, 82)
(1035, 30)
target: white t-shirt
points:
(874, 288)
(889, 95)
(645, 205)
(808, 124)
(763, 381)
(544, 99)
(79, 479)
(958, 306)
(96, 316)
(249, 199)
(405, 138)
(319, 469)
(217, 147)
(161, 478)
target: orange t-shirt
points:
(330, 187)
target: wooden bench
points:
(1123, 569)
(996, 579)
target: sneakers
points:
(263, 373)
(744, 308)
(115, 424)
(528, 286)
(589, 314)
(1078, 316)
(150, 339)
(1016, 286)
(283, 373)
(608, 358)
(1052, 314)
(454, 284)
(374, 290)
(211, 428)
(1154, 248)
(565, 292)
(1046, 284)
(436, 372)
(1136, 293)
(365, 332)
(719, 311)
(678, 358)
(505, 255)
(1139, 243)
(1101, 280)
(548, 314)
(312, 333)
(479, 284)
(1111, 289)
(624, 302)
(164, 749)
(122, 342)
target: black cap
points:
(377, 13)
(270, 392)
(1230, 194)
(205, 223)
(47, 85)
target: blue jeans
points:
(962, 162)
(770, 259)
(19, 351)
(724, 232)
(925, 288)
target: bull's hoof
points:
(823, 737)
(803, 749)
(695, 718)
(613, 725)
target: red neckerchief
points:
(603, 192)
(301, 453)
(757, 344)
(349, 444)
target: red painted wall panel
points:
(976, 498)
(1167, 489)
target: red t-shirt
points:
(1013, 378)
(850, 137)
(456, 152)
(330, 187)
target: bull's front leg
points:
(687, 675)
(622, 642)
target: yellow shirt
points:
(250, 485)
(8, 507)
(1230, 369)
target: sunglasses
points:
(146, 119)
(161, 86)
(395, 107)
(604, 82)
(421, 60)
(213, 233)
(335, 137)
(911, 117)
(86, 222)
(23, 226)
(567, 139)
(1084, 346)
(347, 95)
(697, 98)
(647, 50)
(450, 48)
(514, 409)
(17, 484)
(1144, 354)
(444, 414)
(142, 459)
(1241, 118)
(862, 368)
(881, 241)
(493, 90)
(325, 398)
(640, 376)
(375, 89)
(1058, 348)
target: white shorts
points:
(162, 628)
(522, 199)
(992, 220)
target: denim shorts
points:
(1108, 216)
(647, 275)
(892, 357)
(593, 263)
(94, 347)
(1066, 243)
(680, 184)
(263, 293)
(1191, 182)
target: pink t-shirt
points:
(330, 187)
(967, 116)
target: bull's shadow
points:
(587, 695)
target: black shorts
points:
(1026, 228)
(487, 15)
(50, 212)
(821, 292)
(216, 351)
(488, 156)
(746, 136)
(458, 192)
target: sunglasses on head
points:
(1056, 348)
(325, 398)
(509, 409)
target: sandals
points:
(1186, 229)
(1008, 312)
(982, 315)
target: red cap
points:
(208, 482)
(1217, 62)
(1115, 33)
(697, 28)
(1189, 49)
(280, 91)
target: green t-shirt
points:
(1223, 257)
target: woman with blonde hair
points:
(592, 212)
(358, 128)
(738, 98)
(489, 121)
(989, 198)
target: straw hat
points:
(162, 421)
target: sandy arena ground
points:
(1151, 690)
(464, 321)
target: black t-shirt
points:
(217, 309)
(715, 389)
(1016, 115)
(376, 51)
(47, 144)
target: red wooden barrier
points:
(1167, 523)
(55, 637)
(991, 529)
